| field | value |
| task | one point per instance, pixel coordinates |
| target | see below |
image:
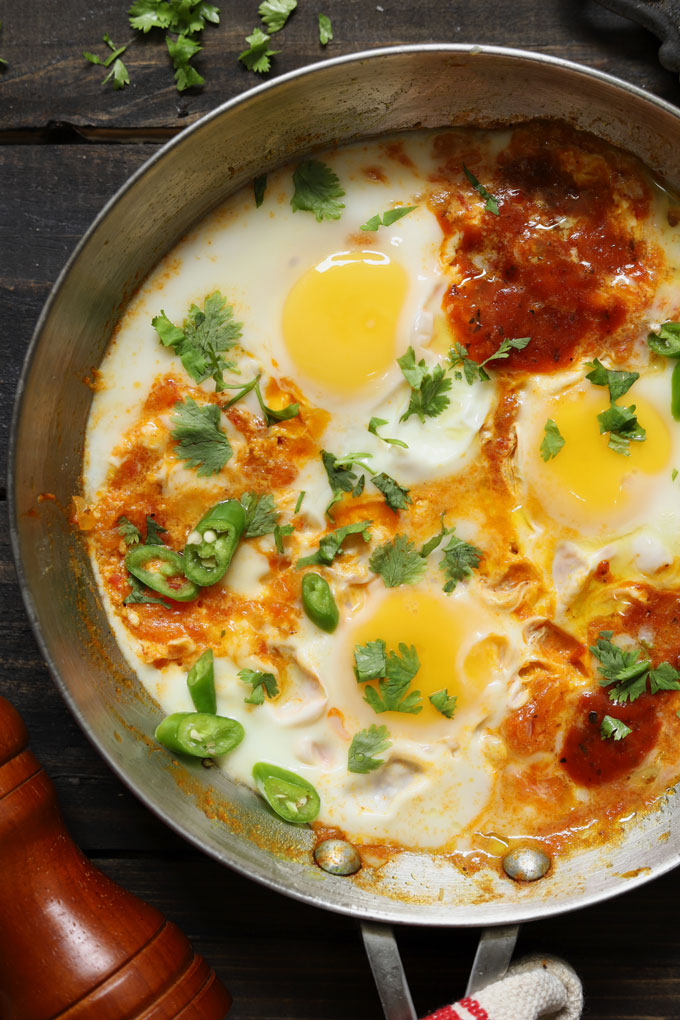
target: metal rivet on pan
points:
(337, 857)
(525, 864)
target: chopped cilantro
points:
(256, 57)
(553, 440)
(153, 532)
(398, 562)
(365, 745)
(623, 427)
(458, 355)
(330, 545)
(317, 190)
(397, 672)
(270, 414)
(373, 427)
(618, 382)
(444, 703)
(282, 531)
(370, 661)
(204, 337)
(629, 673)
(674, 474)
(187, 16)
(259, 188)
(666, 341)
(341, 477)
(325, 29)
(261, 683)
(261, 514)
(387, 218)
(396, 496)
(141, 595)
(491, 204)
(129, 532)
(201, 443)
(459, 560)
(615, 728)
(118, 72)
(275, 13)
(299, 501)
(432, 543)
(181, 50)
(428, 389)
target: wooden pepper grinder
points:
(73, 944)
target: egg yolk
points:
(340, 319)
(454, 651)
(587, 479)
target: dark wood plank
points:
(47, 80)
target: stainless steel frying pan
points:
(340, 100)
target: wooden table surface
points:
(67, 144)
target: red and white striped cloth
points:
(537, 987)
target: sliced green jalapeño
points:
(162, 570)
(289, 795)
(201, 683)
(200, 734)
(212, 543)
(318, 602)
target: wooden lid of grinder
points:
(73, 944)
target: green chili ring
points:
(318, 602)
(169, 567)
(201, 683)
(199, 734)
(289, 795)
(212, 543)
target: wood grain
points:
(282, 960)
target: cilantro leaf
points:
(317, 190)
(261, 514)
(256, 57)
(370, 661)
(398, 562)
(259, 188)
(432, 543)
(444, 703)
(664, 678)
(187, 16)
(261, 683)
(387, 218)
(119, 75)
(205, 336)
(270, 414)
(330, 545)
(491, 204)
(129, 532)
(553, 440)
(147, 14)
(141, 595)
(275, 13)
(396, 496)
(153, 532)
(391, 694)
(623, 427)
(341, 477)
(459, 560)
(365, 745)
(428, 389)
(201, 443)
(118, 72)
(325, 29)
(181, 50)
(616, 728)
(618, 382)
(666, 341)
(373, 427)
(282, 531)
(458, 355)
(299, 501)
(625, 669)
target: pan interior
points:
(339, 101)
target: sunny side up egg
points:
(386, 390)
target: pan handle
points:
(494, 952)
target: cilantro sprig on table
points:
(183, 19)
(627, 674)
(275, 13)
(204, 337)
(201, 443)
(257, 55)
(366, 744)
(325, 29)
(118, 73)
